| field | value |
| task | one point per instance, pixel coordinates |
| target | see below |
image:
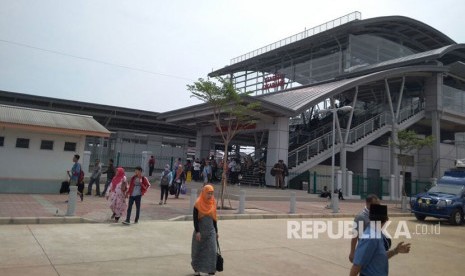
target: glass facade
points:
(453, 99)
(366, 50)
(321, 65)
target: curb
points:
(61, 220)
(43, 220)
(283, 216)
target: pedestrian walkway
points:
(249, 247)
(260, 203)
(253, 244)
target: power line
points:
(92, 60)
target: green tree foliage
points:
(409, 143)
(232, 112)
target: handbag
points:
(183, 189)
(172, 189)
(219, 259)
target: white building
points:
(37, 147)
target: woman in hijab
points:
(166, 180)
(117, 194)
(204, 238)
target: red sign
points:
(277, 80)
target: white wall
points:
(34, 163)
(377, 158)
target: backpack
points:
(164, 180)
(81, 176)
(273, 172)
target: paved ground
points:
(249, 247)
(160, 246)
(267, 201)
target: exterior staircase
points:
(316, 151)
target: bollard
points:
(242, 202)
(71, 201)
(293, 202)
(335, 202)
(193, 199)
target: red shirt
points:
(144, 185)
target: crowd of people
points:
(369, 255)
(122, 193)
(173, 177)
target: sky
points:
(141, 54)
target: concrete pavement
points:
(37, 239)
(267, 203)
(249, 247)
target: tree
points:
(231, 113)
(408, 143)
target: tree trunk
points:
(224, 178)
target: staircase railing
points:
(320, 144)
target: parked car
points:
(445, 200)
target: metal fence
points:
(362, 186)
(129, 161)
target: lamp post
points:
(335, 196)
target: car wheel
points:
(456, 217)
(420, 217)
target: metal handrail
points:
(299, 36)
(324, 142)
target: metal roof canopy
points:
(414, 34)
(58, 122)
(112, 117)
(292, 102)
(202, 114)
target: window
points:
(22, 143)
(69, 146)
(2, 140)
(46, 145)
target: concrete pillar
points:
(343, 166)
(278, 146)
(198, 144)
(433, 108)
(350, 175)
(85, 161)
(71, 201)
(394, 165)
(436, 133)
(434, 181)
(392, 188)
(399, 187)
(338, 179)
(144, 162)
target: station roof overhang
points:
(113, 118)
(414, 34)
(202, 114)
(302, 98)
(292, 102)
